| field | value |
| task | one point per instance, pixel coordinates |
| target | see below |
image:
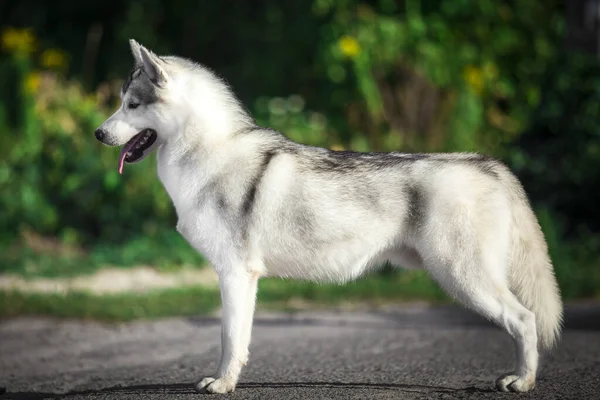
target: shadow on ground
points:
(187, 389)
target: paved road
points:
(408, 353)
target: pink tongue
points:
(128, 146)
(122, 159)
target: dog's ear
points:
(135, 52)
(151, 64)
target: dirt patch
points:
(113, 280)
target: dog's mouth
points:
(134, 149)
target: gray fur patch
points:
(141, 88)
(484, 164)
(416, 203)
(369, 194)
(347, 161)
(304, 222)
(250, 195)
(132, 75)
(222, 203)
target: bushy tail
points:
(531, 275)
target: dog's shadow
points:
(179, 389)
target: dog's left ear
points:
(135, 52)
(151, 64)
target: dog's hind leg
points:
(237, 287)
(473, 271)
(493, 300)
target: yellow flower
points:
(474, 78)
(53, 58)
(18, 40)
(349, 46)
(32, 82)
(337, 147)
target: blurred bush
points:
(558, 155)
(558, 158)
(388, 74)
(56, 179)
(438, 75)
(429, 75)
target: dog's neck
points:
(211, 115)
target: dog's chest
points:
(199, 221)
(173, 180)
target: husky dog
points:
(257, 204)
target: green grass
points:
(121, 307)
(374, 288)
(273, 294)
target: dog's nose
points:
(100, 134)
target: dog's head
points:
(146, 116)
(167, 98)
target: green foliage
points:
(434, 73)
(558, 156)
(37, 256)
(427, 75)
(414, 75)
(289, 115)
(59, 180)
(65, 208)
(576, 263)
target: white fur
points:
(477, 235)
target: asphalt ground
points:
(411, 352)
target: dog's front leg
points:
(235, 287)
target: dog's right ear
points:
(136, 52)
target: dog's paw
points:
(515, 383)
(212, 385)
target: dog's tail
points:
(530, 274)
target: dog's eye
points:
(133, 105)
